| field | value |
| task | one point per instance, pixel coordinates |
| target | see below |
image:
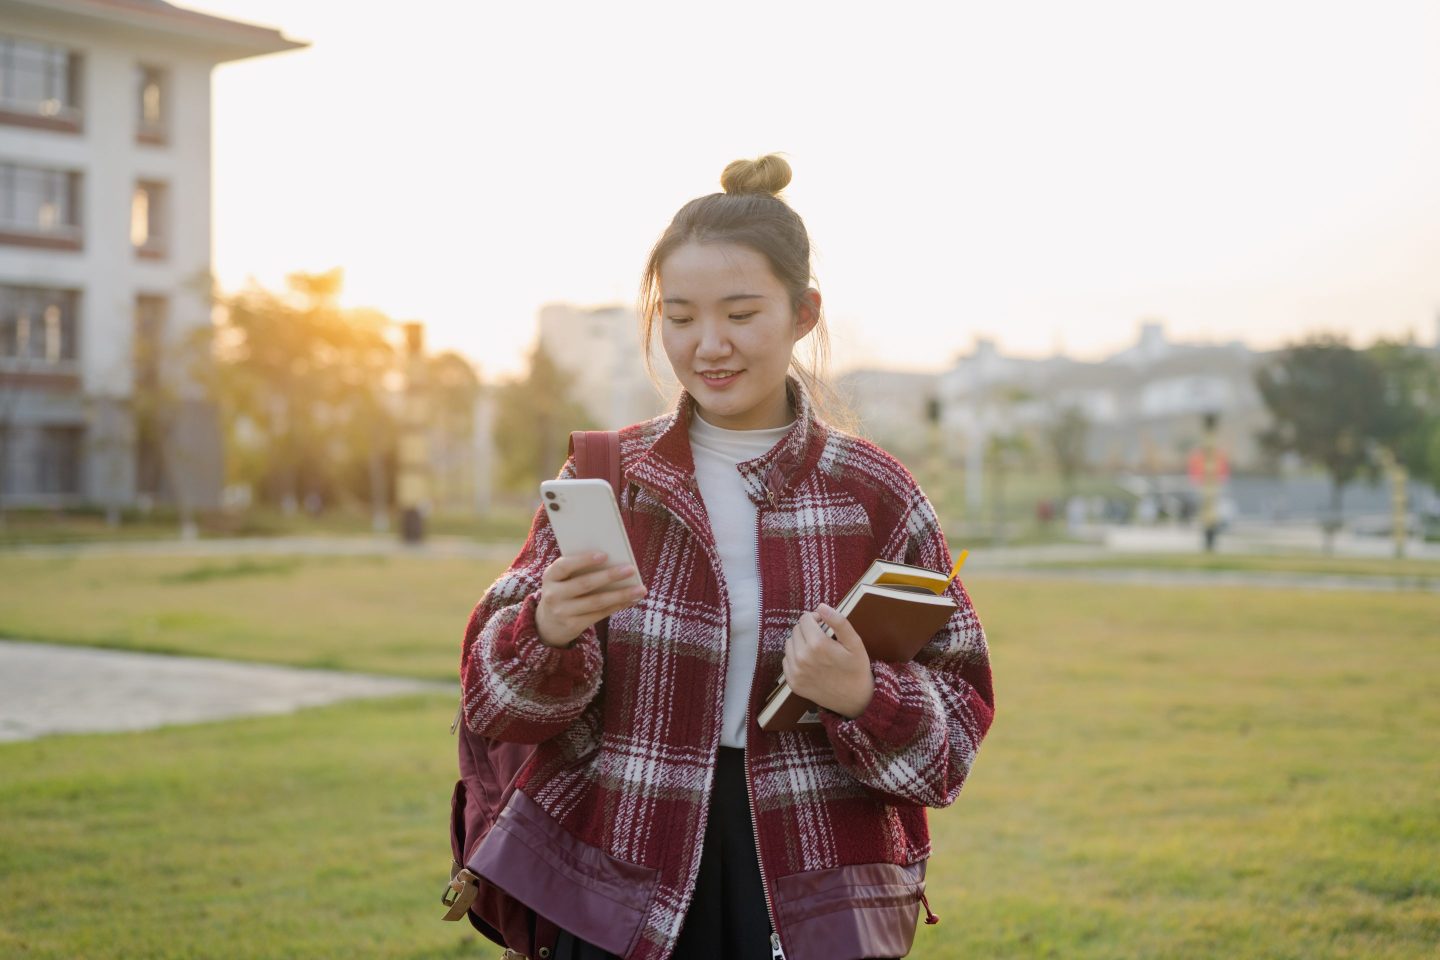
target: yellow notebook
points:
(896, 608)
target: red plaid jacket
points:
(604, 833)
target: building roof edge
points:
(225, 39)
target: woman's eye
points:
(678, 319)
(743, 316)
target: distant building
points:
(892, 407)
(1144, 405)
(459, 428)
(105, 242)
(599, 347)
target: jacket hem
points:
(593, 895)
(863, 910)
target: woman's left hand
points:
(832, 671)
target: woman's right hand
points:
(578, 592)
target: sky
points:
(1046, 175)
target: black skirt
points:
(727, 919)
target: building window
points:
(40, 207)
(41, 461)
(39, 84)
(147, 219)
(151, 315)
(37, 327)
(58, 461)
(152, 95)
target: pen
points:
(955, 570)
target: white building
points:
(105, 242)
(894, 407)
(1143, 406)
(599, 347)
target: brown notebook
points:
(895, 608)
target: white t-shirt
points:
(734, 519)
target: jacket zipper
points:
(777, 952)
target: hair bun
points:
(768, 174)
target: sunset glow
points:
(1044, 174)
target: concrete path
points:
(1258, 538)
(1275, 580)
(51, 688)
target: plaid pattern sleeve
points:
(917, 739)
(516, 687)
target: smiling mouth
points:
(718, 374)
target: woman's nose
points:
(713, 342)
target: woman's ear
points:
(807, 313)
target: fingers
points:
(800, 649)
(799, 640)
(587, 583)
(564, 568)
(811, 633)
(833, 671)
(601, 605)
(570, 616)
(810, 645)
(792, 642)
(575, 595)
(578, 576)
(792, 652)
(844, 632)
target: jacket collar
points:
(670, 463)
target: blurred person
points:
(656, 819)
(1149, 510)
(1102, 507)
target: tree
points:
(1330, 407)
(12, 385)
(1432, 453)
(1005, 447)
(1410, 378)
(1004, 453)
(454, 389)
(1067, 434)
(305, 388)
(365, 430)
(167, 368)
(533, 420)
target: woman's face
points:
(728, 328)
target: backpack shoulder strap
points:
(597, 456)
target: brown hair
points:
(751, 214)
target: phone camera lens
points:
(554, 506)
(550, 494)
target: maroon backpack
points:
(488, 770)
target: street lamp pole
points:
(1399, 497)
(1210, 482)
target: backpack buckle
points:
(460, 893)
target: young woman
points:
(656, 818)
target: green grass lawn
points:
(400, 615)
(318, 835)
(504, 521)
(1173, 773)
(1201, 773)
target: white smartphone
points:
(586, 519)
